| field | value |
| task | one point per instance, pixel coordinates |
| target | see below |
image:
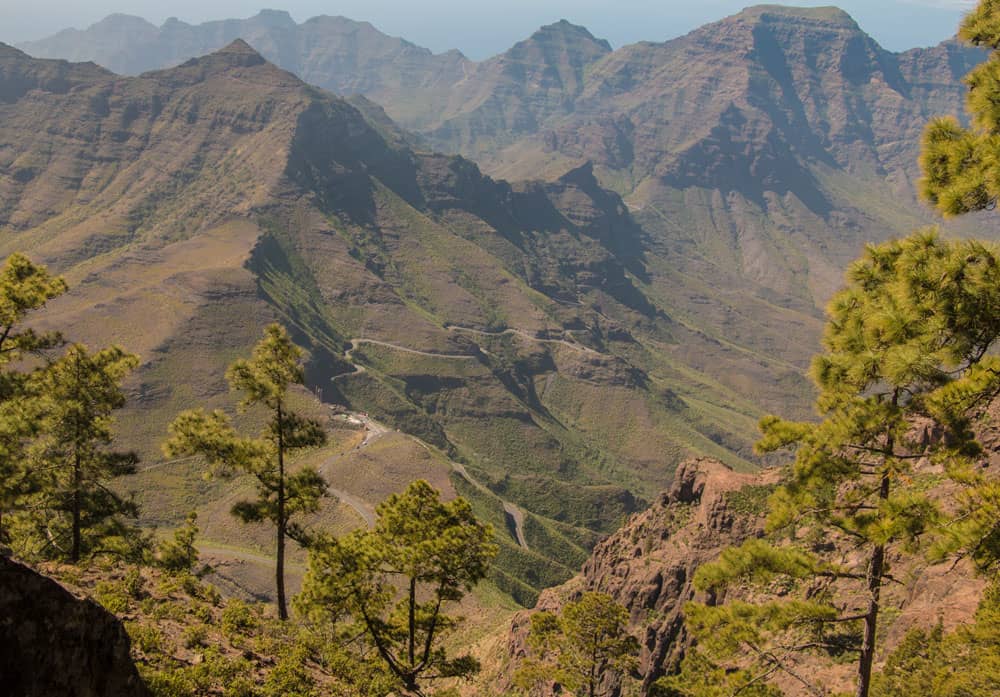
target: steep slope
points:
(760, 152)
(509, 96)
(507, 326)
(649, 565)
(795, 130)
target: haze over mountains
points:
(648, 290)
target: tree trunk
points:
(413, 622)
(280, 565)
(75, 552)
(593, 670)
(876, 568)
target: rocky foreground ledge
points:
(54, 643)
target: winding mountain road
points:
(375, 430)
(431, 354)
(523, 334)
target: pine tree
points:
(264, 380)
(391, 584)
(906, 340)
(180, 554)
(24, 288)
(961, 166)
(585, 648)
(964, 663)
(79, 393)
(962, 174)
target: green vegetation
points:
(964, 663)
(586, 648)
(282, 495)
(391, 585)
(750, 500)
(189, 642)
(56, 432)
(960, 164)
(523, 573)
(700, 677)
(79, 392)
(180, 555)
(908, 338)
(24, 288)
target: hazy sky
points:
(481, 29)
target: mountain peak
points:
(121, 21)
(567, 31)
(237, 54)
(275, 18)
(238, 47)
(825, 15)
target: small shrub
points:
(191, 585)
(134, 584)
(145, 637)
(195, 636)
(241, 687)
(202, 612)
(179, 555)
(750, 500)
(239, 618)
(170, 683)
(112, 597)
(210, 594)
(289, 677)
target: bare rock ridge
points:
(53, 643)
(20, 73)
(355, 57)
(664, 584)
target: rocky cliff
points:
(53, 643)
(649, 564)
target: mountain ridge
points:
(643, 287)
(189, 207)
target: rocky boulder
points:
(53, 643)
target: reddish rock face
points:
(649, 564)
(53, 643)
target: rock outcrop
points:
(53, 643)
(648, 566)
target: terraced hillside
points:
(513, 329)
